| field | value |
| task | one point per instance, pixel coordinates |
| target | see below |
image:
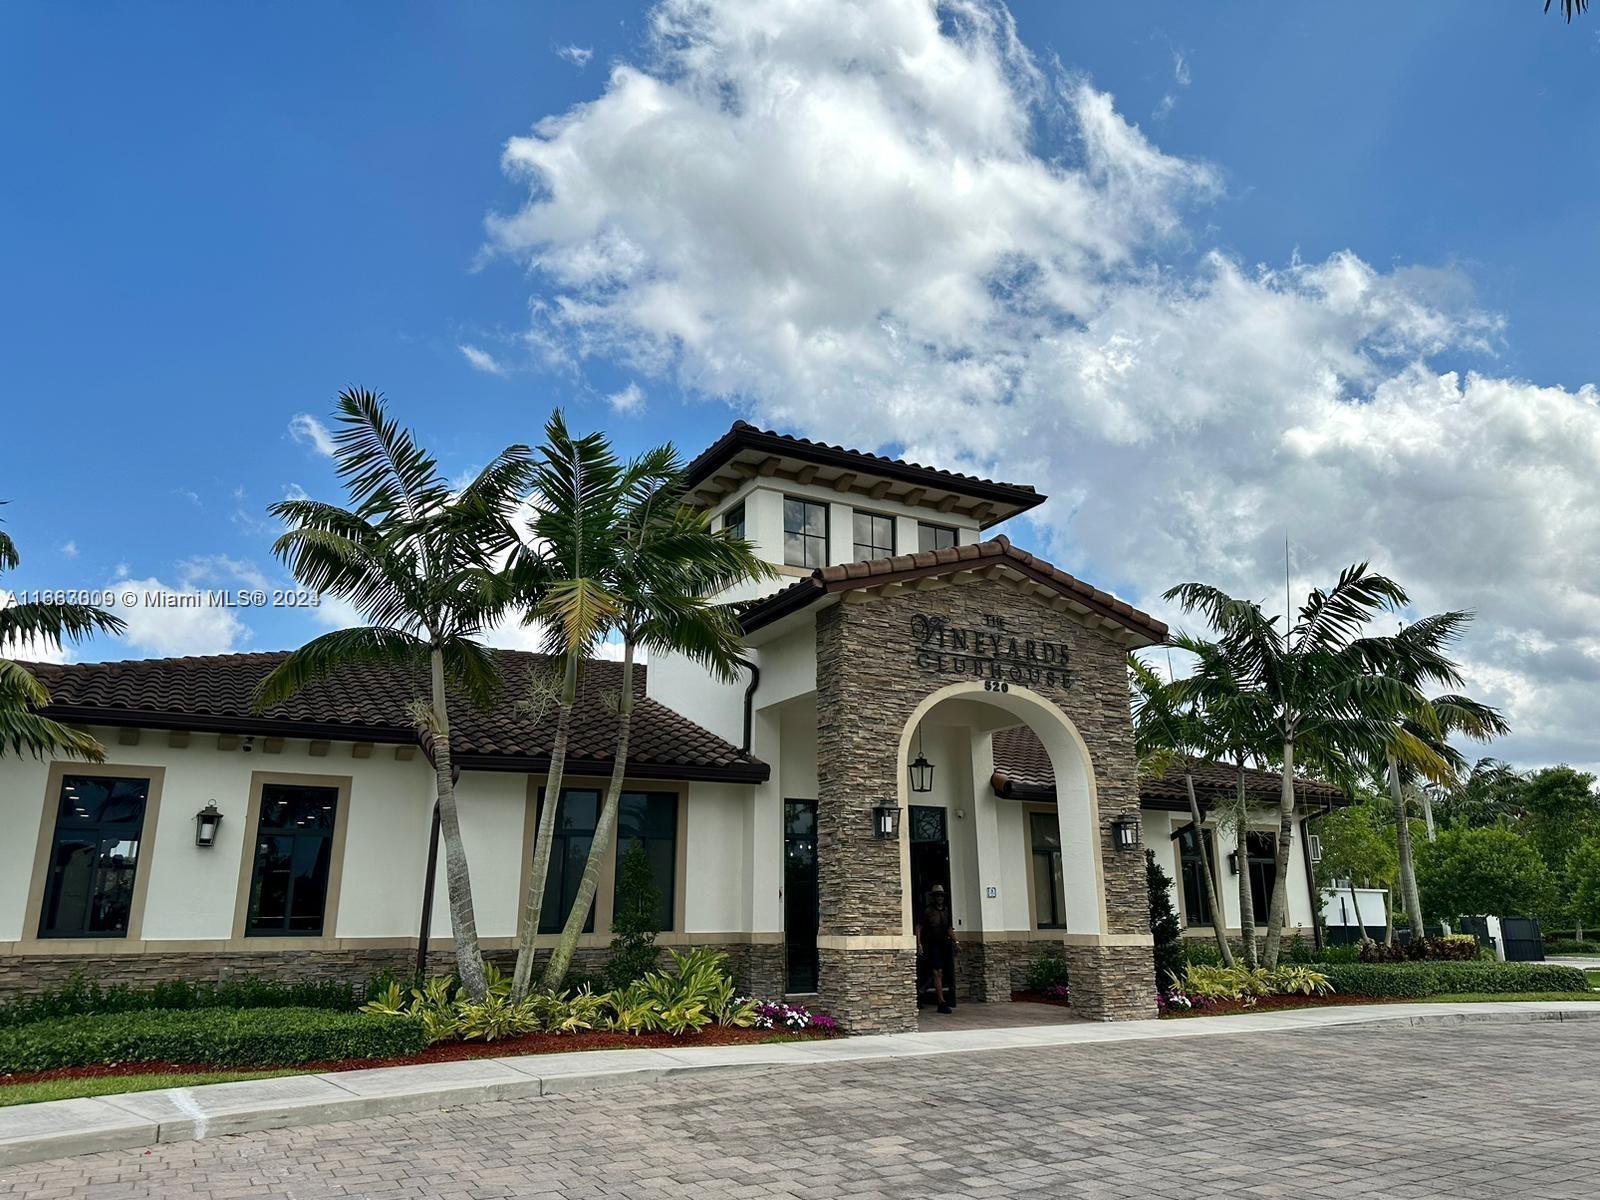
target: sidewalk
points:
(30, 1132)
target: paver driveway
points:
(1491, 1110)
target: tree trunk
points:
(1219, 924)
(605, 832)
(463, 924)
(1409, 894)
(1388, 923)
(1277, 912)
(1355, 904)
(1427, 814)
(539, 869)
(1247, 899)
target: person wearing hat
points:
(936, 942)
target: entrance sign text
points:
(990, 653)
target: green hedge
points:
(251, 1037)
(1409, 979)
(79, 997)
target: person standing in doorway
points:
(936, 942)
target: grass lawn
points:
(1593, 975)
(110, 1085)
(1484, 997)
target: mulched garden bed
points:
(1223, 1008)
(530, 1043)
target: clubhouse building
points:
(927, 705)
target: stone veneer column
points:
(866, 955)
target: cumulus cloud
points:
(628, 402)
(309, 431)
(482, 360)
(895, 227)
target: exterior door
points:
(800, 895)
(930, 857)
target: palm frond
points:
(473, 668)
(23, 732)
(385, 469)
(54, 624)
(1570, 7)
(18, 685)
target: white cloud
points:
(309, 431)
(482, 360)
(1180, 69)
(294, 491)
(628, 402)
(69, 549)
(578, 56)
(893, 227)
(30, 649)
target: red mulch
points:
(1222, 1008)
(531, 1043)
(1040, 998)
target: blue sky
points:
(218, 215)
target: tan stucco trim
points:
(604, 896)
(41, 854)
(1042, 937)
(1108, 939)
(102, 947)
(866, 941)
(252, 821)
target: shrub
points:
(1164, 925)
(634, 924)
(1453, 947)
(1412, 979)
(1044, 972)
(224, 1037)
(1202, 983)
(78, 997)
(1571, 946)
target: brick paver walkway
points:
(1488, 1111)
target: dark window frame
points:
(870, 550)
(728, 521)
(553, 916)
(1190, 881)
(931, 527)
(808, 541)
(49, 924)
(324, 836)
(1261, 860)
(1053, 868)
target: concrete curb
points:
(134, 1120)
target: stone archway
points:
(877, 670)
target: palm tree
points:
(577, 484)
(1322, 691)
(667, 562)
(1167, 727)
(22, 729)
(1237, 715)
(1570, 7)
(1419, 736)
(423, 564)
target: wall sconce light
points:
(205, 824)
(921, 770)
(1233, 862)
(885, 820)
(1125, 832)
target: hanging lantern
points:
(1125, 831)
(205, 824)
(921, 770)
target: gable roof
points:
(371, 703)
(906, 568)
(750, 447)
(1022, 770)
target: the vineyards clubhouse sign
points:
(989, 652)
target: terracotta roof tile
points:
(1020, 761)
(371, 703)
(842, 576)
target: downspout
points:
(750, 705)
(1311, 883)
(425, 932)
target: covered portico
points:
(933, 654)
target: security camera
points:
(249, 745)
